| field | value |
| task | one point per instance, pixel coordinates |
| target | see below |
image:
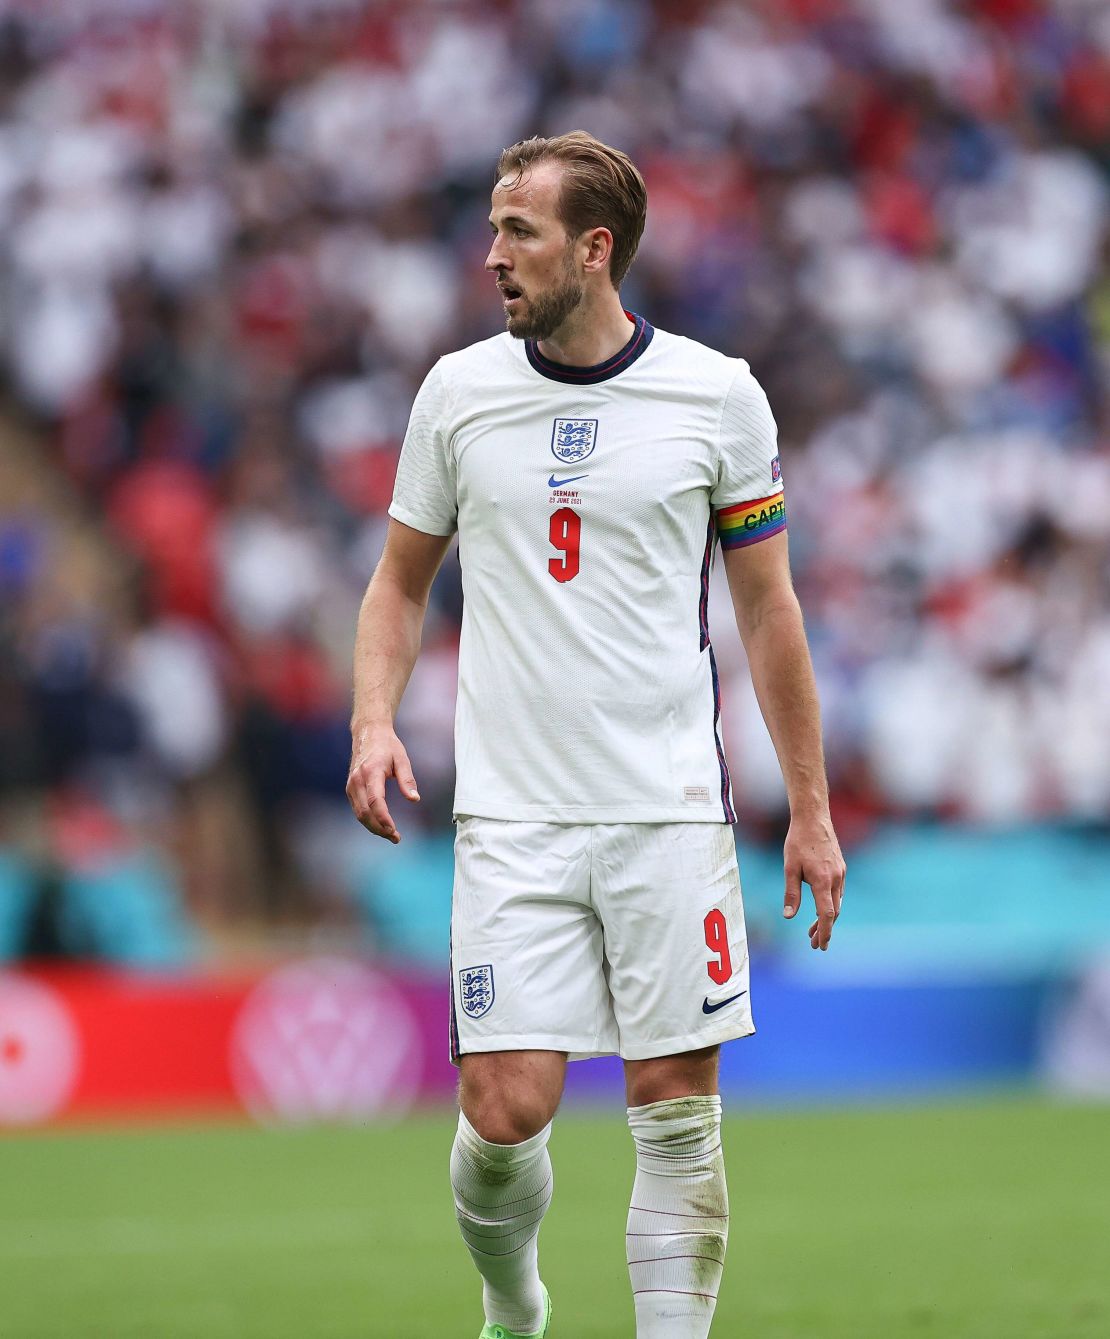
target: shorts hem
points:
(576, 1048)
(591, 1048)
(692, 1041)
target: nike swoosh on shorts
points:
(708, 1008)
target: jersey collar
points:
(589, 376)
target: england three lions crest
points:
(572, 439)
(476, 991)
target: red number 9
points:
(716, 940)
(565, 533)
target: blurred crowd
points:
(234, 237)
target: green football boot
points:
(492, 1331)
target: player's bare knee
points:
(508, 1117)
(508, 1099)
(505, 1127)
(667, 1077)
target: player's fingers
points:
(366, 792)
(820, 933)
(380, 821)
(402, 770)
(826, 913)
(356, 793)
(792, 898)
(838, 887)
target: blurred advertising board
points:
(320, 1039)
(335, 1039)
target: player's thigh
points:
(528, 969)
(675, 940)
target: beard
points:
(543, 315)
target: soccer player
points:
(589, 464)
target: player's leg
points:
(510, 1096)
(669, 898)
(678, 1217)
(501, 1176)
(528, 987)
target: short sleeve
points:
(748, 500)
(425, 494)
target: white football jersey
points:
(588, 502)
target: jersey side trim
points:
(706, 645)
(589, 376)
(726, 780)
(703, 601)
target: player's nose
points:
(497, 258)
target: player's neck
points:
(593, 334)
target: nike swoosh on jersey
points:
(560, 483)
(708, 1008)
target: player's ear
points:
(599, 248)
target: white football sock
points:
(501, 1195)
(678, 1220)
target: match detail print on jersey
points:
(749, 522)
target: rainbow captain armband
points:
(749, 522)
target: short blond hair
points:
(601, 188)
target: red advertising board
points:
(319, 1039)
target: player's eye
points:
(521, 232)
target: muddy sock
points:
(678, 1219)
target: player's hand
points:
(812, 854)
(378, 754)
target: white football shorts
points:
(599, 939)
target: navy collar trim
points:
(589, 376)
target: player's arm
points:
(386, 646)
(770, 622)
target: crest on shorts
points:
(573, 439)
(476, 991)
